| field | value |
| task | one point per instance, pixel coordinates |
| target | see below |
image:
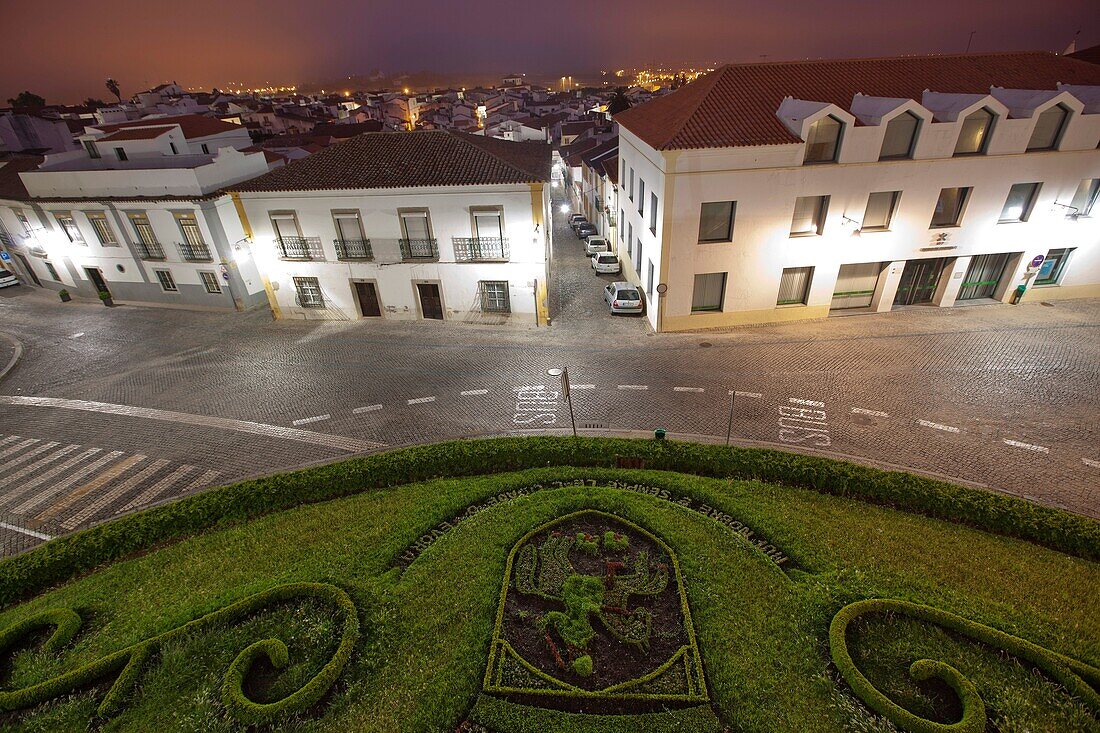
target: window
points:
(653, 213)
(629, 239)
(1083, 199)
(622, 176)
(638, 260)
(880, 211)
(102, 229)
(974, 136)
(190, 229)
(210, 282)
(173, 146)
(349, 227)
(205, 149)
(809, 215)
(649, 280)
(93, 151)
(52, 270)
(709, 292)
(630, 192)
(794, 286)
(23, 221)
(949, 207)
(1050, 272)
(716, 221)
(415, 225)
(823, 140)
(69, 227)
(488, 224)
(1021, 197)
(641, 196)
(1048, 128)
(901, 135)
(622, 220)
(285, 224)
(144, 230)
(121, 153)
(167, 284)
(309, 292)
(494, 296)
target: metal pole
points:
(729, 426)
(569, 398)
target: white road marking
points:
(635, 387)
(77, 335)
(5, 468)
(32, 467)
(18, 447)
(937, 426)
(308, 420)
(1090, 462)
(29, 485)
(9, 439)
(808, 403)
(24, 530)
(1027, 446)
(368, 408)
(754, 395)
(70, 480)
(120, 490)
(160, 486)
(101, 479)
(582, 386)
(872, 413)
(472, 392)
(338, 442)
(687, 389)
(421, 400)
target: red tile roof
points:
(193, 126)
(405, 159)
(736, 105)
(611, 168)
(137, 133)
(11, 185)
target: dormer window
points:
(1048, 128)
(974, 137)
(900, 137)
(823, 140)
(93, 151)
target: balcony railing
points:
(150, 251)
(480, 249)
(419, 249)
(194, 252)
(299, 248)
(353, 249)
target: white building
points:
(138, 212)
(782, 191)
(433, 224)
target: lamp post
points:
(564, 375)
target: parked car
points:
(586, 230)
(7, 279)
(575, 219)
(622, 297)
(592, 245)
(606, 263)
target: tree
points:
(27, 100)
(94, 102)
(618, 102)
(112, 87)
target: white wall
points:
(648, 167)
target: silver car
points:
(606, 263)
(7, 279)
(592, 245)
(622, 297)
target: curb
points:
(14, 357)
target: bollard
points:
(659, 434)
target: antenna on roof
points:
(969, 41)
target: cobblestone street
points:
(109, 410)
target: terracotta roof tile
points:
(11, 185)
(405, 159)
(137, 133)
(193, 126)
(736, 105)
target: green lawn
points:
(421, 658)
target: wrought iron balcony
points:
(150, 250)
(353, 249)
(194, 252)
(300, 248)
(419, 249)
(480, 249)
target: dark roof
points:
(137, 133)
(576, 128)
(11, 185)
(611, 168)
(594, 155)
(1090, 54)
(349, 129)
(736, 105)
(192, 126)
(405, 159)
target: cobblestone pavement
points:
(143, 405)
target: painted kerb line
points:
(421, 400)
(1027, 446)
(872, 413)
(308, 420)
(937, 426)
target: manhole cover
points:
(705, 344)
(1048, 305)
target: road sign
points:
(1038, 260)
(5, 257)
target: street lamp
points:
(564, 375)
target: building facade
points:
(784, 191)
(432, 224)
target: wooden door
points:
(368, 300)
(431, 303)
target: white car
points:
(606, 263)
(7, 279)
(623, 297)
(592, 245)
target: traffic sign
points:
(5, 257)
(1038, 260)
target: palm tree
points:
(112, 87)
(618, 102)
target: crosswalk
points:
(49, 484)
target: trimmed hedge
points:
(1078, 678)
(66, 557)
(501, 715)
(130, 661)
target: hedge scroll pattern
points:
(127, 663)
(1078, 678)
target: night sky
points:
(64, 49)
